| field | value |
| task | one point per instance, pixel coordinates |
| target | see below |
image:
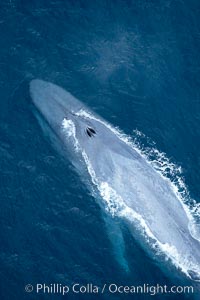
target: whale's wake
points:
(115, 204)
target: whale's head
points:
(66, 117)
(53, 103)
(74, 126)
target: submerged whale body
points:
(128, 184)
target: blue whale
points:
(128, 185)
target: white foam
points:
(69, 129)
(115, 204)
(194, 227)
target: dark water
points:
(137, 64)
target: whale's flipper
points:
(116, 237)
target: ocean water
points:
(135, 63)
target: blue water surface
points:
(137, 64)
